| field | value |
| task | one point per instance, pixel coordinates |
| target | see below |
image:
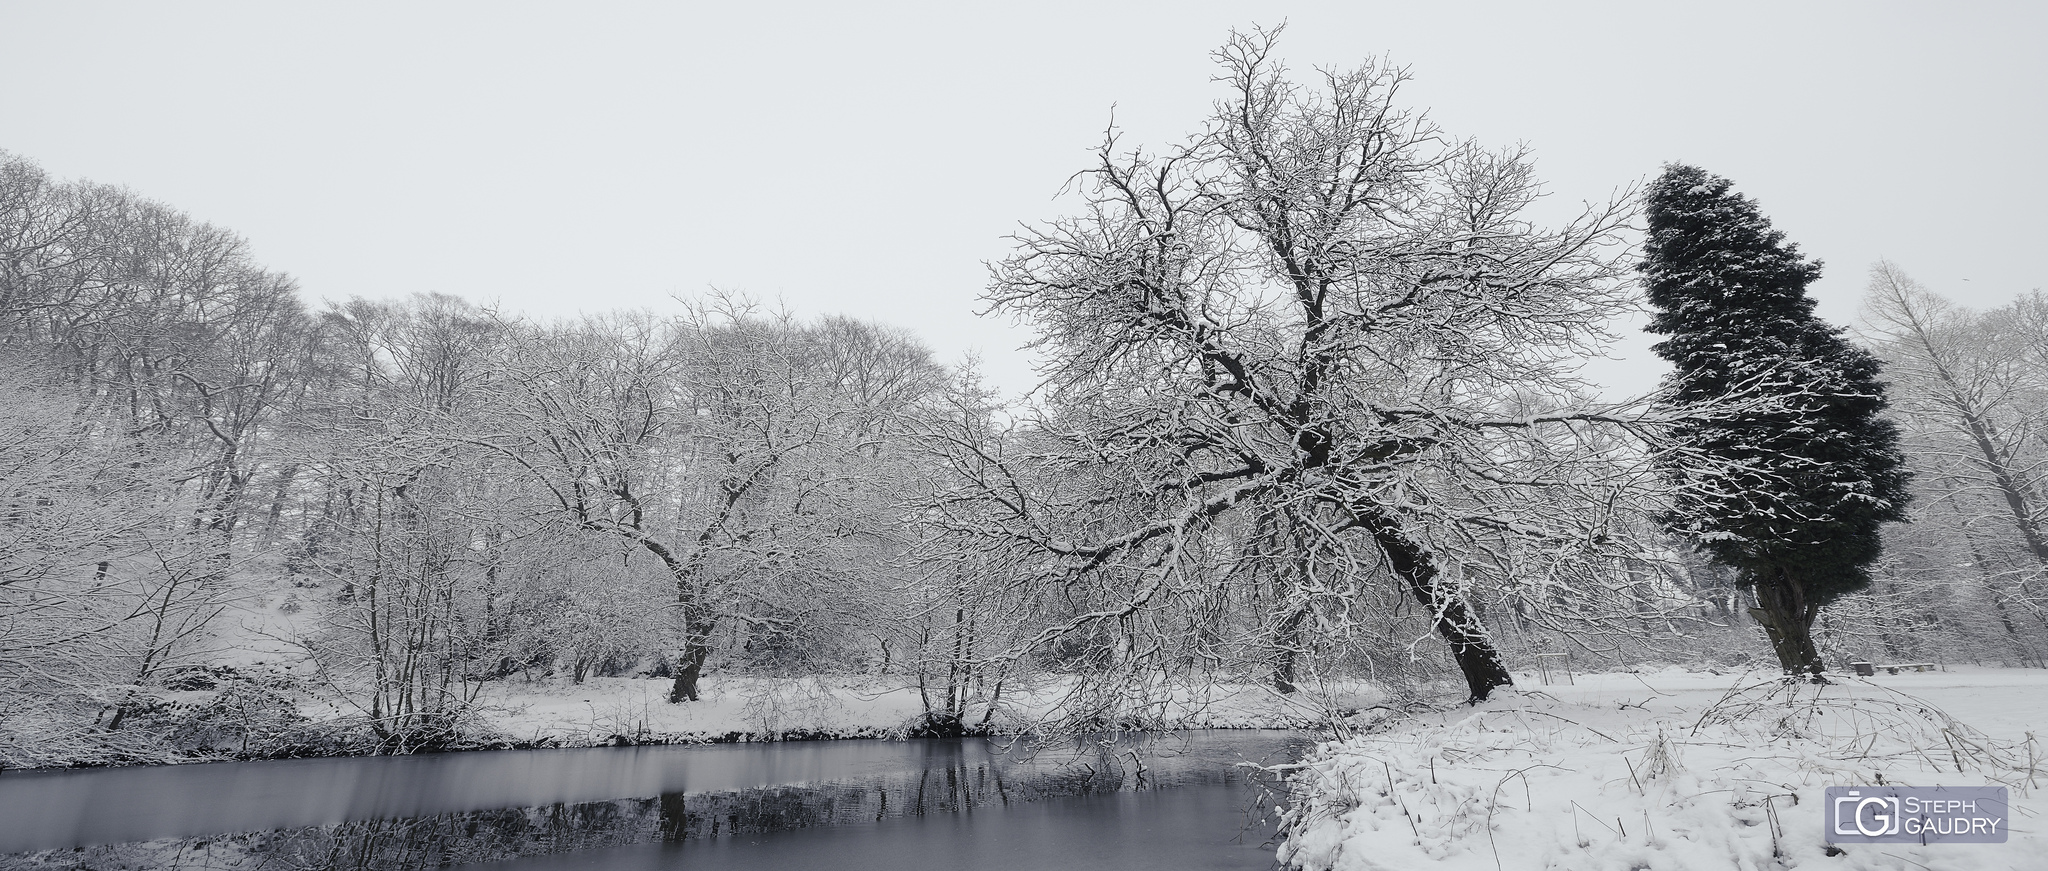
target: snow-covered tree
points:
(744, 452)
(1790, 483)
(1968, 389)
(1324, 326)
(410, 513)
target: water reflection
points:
(711, 802)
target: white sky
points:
(868, 158)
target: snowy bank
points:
(741, 708)
(1671, 771)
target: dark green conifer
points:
(1787, 469)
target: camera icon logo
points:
(1870, 816)
(1897, 814)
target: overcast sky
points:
(868, 158)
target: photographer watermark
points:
(1915, 815)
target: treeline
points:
(452, 495)
(1309, 402)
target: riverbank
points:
(1668, 769)
(276, 711)
(1672, 770)
(613, 711)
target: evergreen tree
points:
(1787, 470)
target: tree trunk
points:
(691, 666)
(2009, 486)
(1787, 618)
(1287, 641)
(279, 497)
(697, 624)
(1473, 651)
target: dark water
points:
(1180, 801)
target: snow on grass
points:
(601, 709)
(266, 634)
(605, 710)
(1670, 771)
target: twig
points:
(1494, 802)
(1399, 800)
(1489, 823)
(1771, 810)
(1578, 807)
(1575, 723)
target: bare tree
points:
(411, 508)
(102, 583)
(1955, 370)
(1326, 311)
(739, 450)
(1968, 388)
(167, 316)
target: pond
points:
(1172, 801)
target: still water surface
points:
(1180, 801)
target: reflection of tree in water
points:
(418, 842)
(943, 786)
(931, 790)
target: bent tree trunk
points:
(1787, 616)
(698, 620)
(1471, 648)
(696, 648)
(698, 624)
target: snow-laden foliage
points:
(1791, 494)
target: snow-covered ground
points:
(1673, 770)
(266, 634)
(602, 710)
